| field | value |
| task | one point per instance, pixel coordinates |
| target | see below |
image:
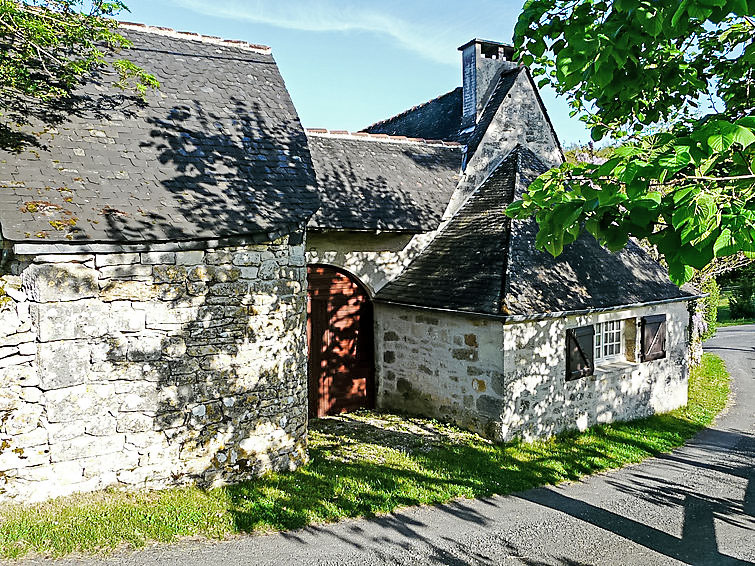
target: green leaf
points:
(678, 159)
(725, 244)
(598, 133)
(738, 7)
(680, 11)
(725, 134)
(680, 273)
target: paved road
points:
(695, 506)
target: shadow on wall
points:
(209, 379)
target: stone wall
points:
(374, 258)
(152, 369)
(508, 380)
(437, 364)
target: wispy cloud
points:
(413, 28)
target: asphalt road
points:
(694, 506)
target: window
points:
(609, 340)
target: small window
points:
(609, 340)
(580, 360)
(653, 335)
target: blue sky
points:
(350, 63)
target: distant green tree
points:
(49, 46)
(742, 299)
(638, 71)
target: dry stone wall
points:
(519, 120)
(437, 364)
(152, 369)
(508, 380)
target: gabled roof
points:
(437, 119)
(218, 151)
(374, 182)
(485, 263)
(502, 87)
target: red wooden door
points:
(340, 336)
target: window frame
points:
(600, 333)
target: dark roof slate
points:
(462, 267)
(376, 184)
(218, 151)
(483, 262)
(437, 119)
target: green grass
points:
(361, 465)
(724, 314)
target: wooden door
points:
(340, 337)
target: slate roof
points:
(377, 183)
(437, 119)
(485, 263)
(218, 151)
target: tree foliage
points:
(49, 46)
(640, 71)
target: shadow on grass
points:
(368, 464)
(362, 469)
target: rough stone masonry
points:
(152, 369)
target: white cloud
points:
(436, 40)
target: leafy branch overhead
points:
(640, 72)
(49, 46)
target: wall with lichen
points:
(151, 369)
(508, 380)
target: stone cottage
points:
(186, 279)
(411, 250)
(152, 328)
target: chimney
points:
(482, 64)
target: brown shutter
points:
(579, 352)
(653, 337)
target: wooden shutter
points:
(653, 330)
(580, 359)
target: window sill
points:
(613, 367)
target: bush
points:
(741, 301)
(710, 305)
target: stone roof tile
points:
(374, 182)
(483, 262)
(438, 119)
(218, 151)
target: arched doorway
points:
(341, 346)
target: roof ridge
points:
(211, 39)
(323, 132)
(408, 110)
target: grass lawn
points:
(724, 314)
(361, 465)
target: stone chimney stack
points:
(482, 64)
